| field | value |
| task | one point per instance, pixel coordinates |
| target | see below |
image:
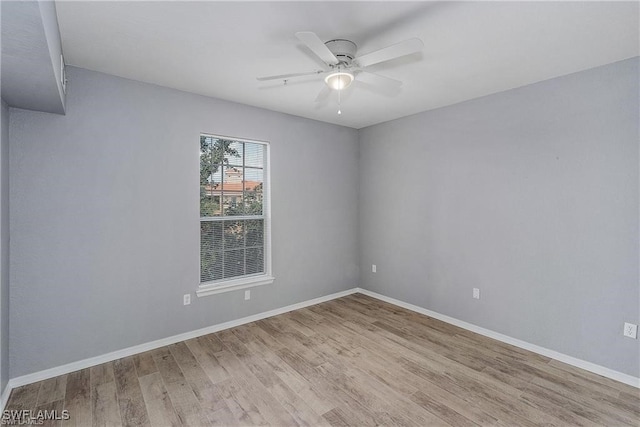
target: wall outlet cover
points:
(186, 299)
(630, 330)
(476, 293)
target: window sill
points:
(233, 285)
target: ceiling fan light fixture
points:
(339, 80)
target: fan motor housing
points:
(344, 50)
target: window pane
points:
(253, 177)
(253, 155)
(233, 204)
(253, 195)
(207, 170)
(232, 200)
(211, 235)
(255, 260)
(233, 151)
(210, 192)
(210, 254)
(212, 149)
(206, 159)
(211, 266)
(210, 199)
(232, 178)
(216, 177)
(253, 203)
(233, 234)
(254, 230)
(234, 263)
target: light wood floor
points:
(353, 361)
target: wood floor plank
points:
(291, 339)
(205, 353)
(455, 403)
(222, 417)
(213, 342)
(145, 364)
(353, 361)
(101, 374)
(443, 411)
(508, 375)
(157, 401)
(205, 391)
(631, 398)
(52, 390)
(338, 418)
(24, 398)
(104, 405)
(299, 326)
(78, 399)
(296, 405)
(252, 332)
(50, 414)
(132, 407)
(181, 394)
(241, 406)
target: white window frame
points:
(249, 281)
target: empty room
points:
(320, 213)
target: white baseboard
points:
(570, 360)
(4, 398)
(130, 351)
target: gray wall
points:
(530, 195)
(105, 220)
(4, 245)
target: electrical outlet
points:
(373, 268)
(186, 299)
(247, 295)
(476, 293)
(630, 330)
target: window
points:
(234, 214)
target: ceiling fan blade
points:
(324, 93)
(316, 45)
(378, 80)
(388, 53)
(288, 76)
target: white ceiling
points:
(471, 48)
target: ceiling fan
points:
(343, 66)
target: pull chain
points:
(339, 111)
